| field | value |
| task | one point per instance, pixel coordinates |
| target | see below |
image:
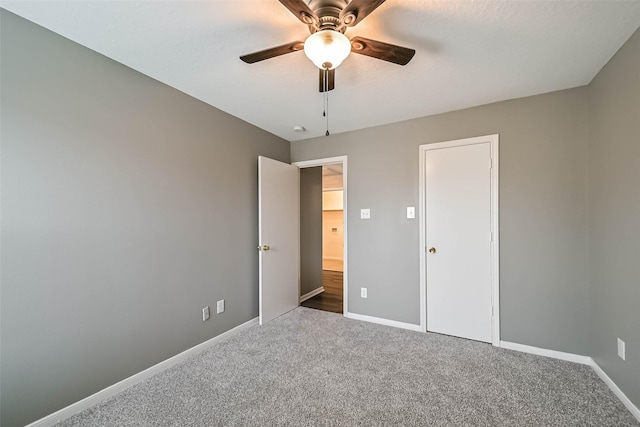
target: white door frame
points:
(493, 140)
(345, 264)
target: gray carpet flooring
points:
(313, 368)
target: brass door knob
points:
(264, 248)
(432, 250)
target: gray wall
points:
(310, 229)
(614, 216)
(543, 221)
(127, 206)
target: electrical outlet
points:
(363, 292)
(220, 306)
(205, 313)
(365, 213)
(621, 350)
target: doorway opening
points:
(323, 243)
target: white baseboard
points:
(382, 321)
(312, 294)
(576, 358)
(635, 411)
(116, 388)
(585, 360)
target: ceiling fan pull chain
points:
(326, 98)
(324, 95)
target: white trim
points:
(422, 226)
(345, 263)
(576, 358)
(495, 238)
(635, 411)
(570, 357)
(382, 321)
(493, 141)
(260, 243)
(320, 162)
(116, 388)
(312, 294)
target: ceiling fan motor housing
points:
(328, 12)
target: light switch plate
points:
(220, 306)
(365, 213)
(621, 349)
(411, 212)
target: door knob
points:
(264, 248)
(432, 250)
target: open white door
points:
(279, 237)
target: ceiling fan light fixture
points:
(327, 48)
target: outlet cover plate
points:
(621, 349)
(220, 306)
(363, 292)
(205, 313)
(365, 213)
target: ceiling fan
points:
(327, 46)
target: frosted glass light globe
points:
(327, 48)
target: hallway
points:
(331, 298)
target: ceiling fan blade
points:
(273, 52)
(301, 11)
(357, 10)
(331, 80)
(385, 51)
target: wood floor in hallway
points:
(331, 298)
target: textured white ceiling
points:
(468, 53)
